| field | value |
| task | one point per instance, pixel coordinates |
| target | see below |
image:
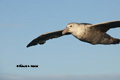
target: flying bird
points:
(91, 33)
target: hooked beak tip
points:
(65, 31)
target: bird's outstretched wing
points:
(42, 38)
(107, 25)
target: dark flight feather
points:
(42, 38)
(104, 27)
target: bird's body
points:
(94, 34)
(86, 33)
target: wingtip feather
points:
(32, 43)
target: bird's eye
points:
(71, 26)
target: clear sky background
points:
(23, 20)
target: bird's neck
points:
(79, 31)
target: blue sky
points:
(23, 20)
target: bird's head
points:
(71, 27)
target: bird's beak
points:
(65, 31)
